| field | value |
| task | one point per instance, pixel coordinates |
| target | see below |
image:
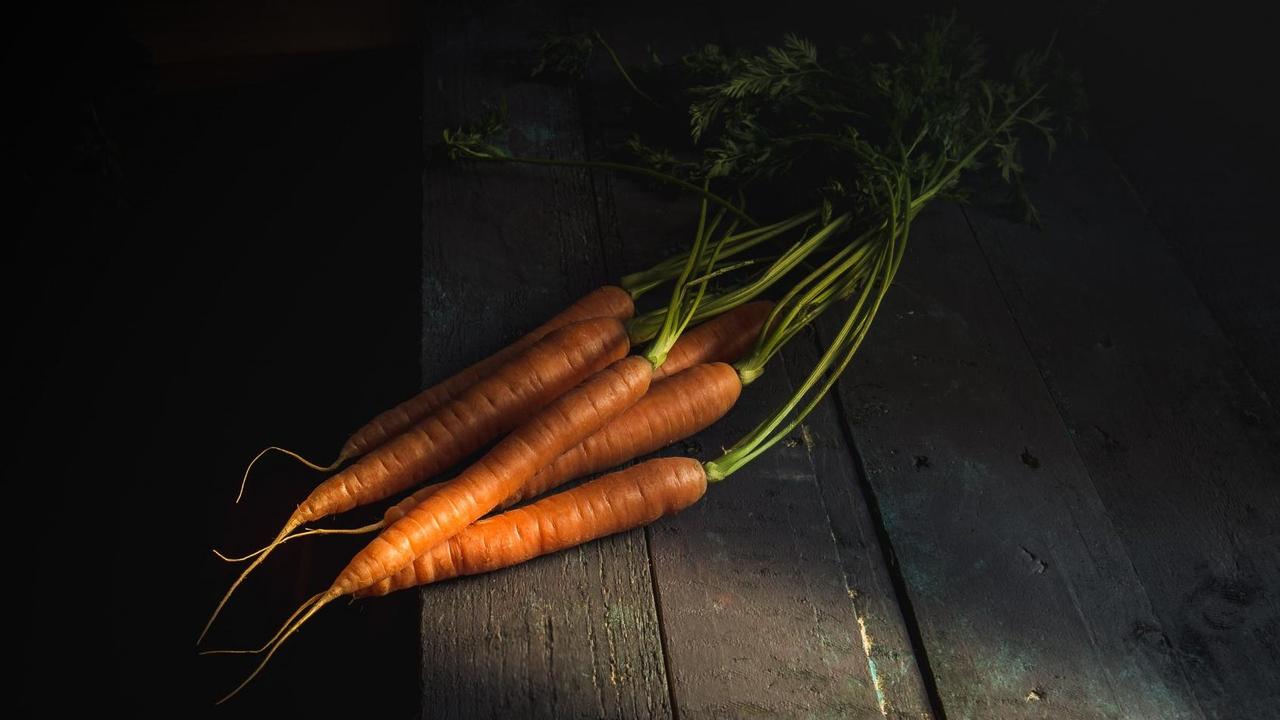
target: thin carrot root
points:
(342, 457)
(284, 533)
(362, 530)
(267, 644)
(316, 602)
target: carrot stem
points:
(831, 281)
(644, 327)
(493, 154)
(641, 282)
(677, 316)
(835, 359)
(621, 70)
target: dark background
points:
(212, 245)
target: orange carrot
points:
(542, 373)
(610, 504)
(604, 302)
(724, 338)
(672, 410)
(565, 422)
(510, 464)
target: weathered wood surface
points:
(763, 613)
(1213, 206)
(786, 547)
(1069, 471)
(774, 621)
(1178, 440)
(572, 635)
(1026, 601)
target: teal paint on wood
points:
(942, 402)
(1179, 441)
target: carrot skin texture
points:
(512, 462)
(614, 503)
(724, 338)
(672, 410)
(545, 371)
(604, 302)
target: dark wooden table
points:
(1047, 488)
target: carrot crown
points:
(834, 280)
(866, 267)
(682, 308)
(646, 326)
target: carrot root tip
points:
(315, 603)
(342, 457)
(284, 534)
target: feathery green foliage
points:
(876, 131)
(911, 112)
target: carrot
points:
(724, 338)
(610, 504)
(672, 410)
(493, 406)
(506, 539)
(568, 420)
(604, 302)
(635, 497)
(512, 462)
(807, 300)
(605, 506)
(642, 494)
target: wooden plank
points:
(810, 657)
(574, 634)
(891, 657)
(812, 623)
(813, 638)
(1181, 444)
(730, 566)
(755, 605)
(1022, 593)
(1215, 211)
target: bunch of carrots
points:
(568, 399)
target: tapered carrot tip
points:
(283, 626)
(342, 457)
(316, 602)
(284, 534)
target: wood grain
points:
(572, 635)
(1025, 598)
(1045, 489)
(1178, 440)
(786, 548)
